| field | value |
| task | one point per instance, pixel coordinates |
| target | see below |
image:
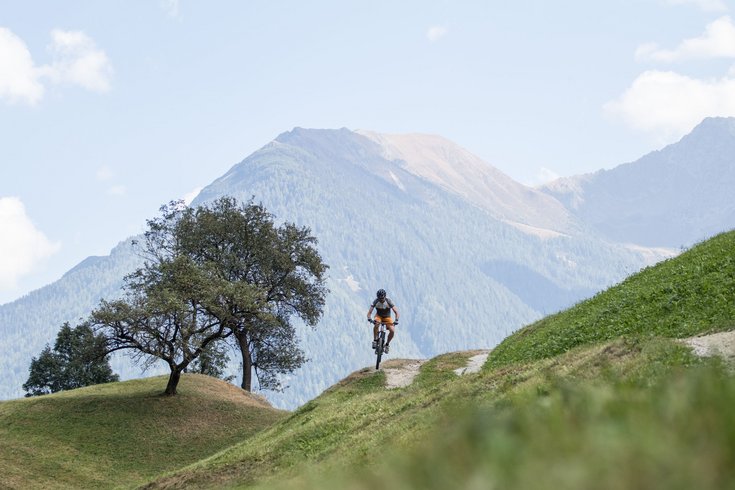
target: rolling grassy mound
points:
(120, 434)
(599, 396)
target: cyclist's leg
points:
(391, 328)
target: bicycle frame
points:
(381, 342)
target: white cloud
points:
(718, 41)
(706, 5)
(18, 75)
(22, 246)
(668, 105)
(189, 197)
(76, 60)
(435, 33)
(117, 190)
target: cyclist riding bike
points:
(382, 304)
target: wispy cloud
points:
(104, 173)
(117, 190)
(706, 5)
(171, 7)
(436, 32)
(717, 41)
(668, 105)
(22, 245)
(76, 61)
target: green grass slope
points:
(691, 294)
(599, 396)
(121, 434)
(616, 415)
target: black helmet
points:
(381, 293)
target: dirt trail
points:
(721, 343)
(474, 364)
(401, 372)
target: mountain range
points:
(673, 197)
(468, 254)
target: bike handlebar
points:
(375, 323)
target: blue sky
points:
(110, 109)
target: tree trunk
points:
(173, 381)
(247, 361)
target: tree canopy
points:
(79, 358)
(212, 273)
(240, 245)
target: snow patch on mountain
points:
(543, 233)
(397, 181)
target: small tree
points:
(79, 358)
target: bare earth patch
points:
(401, 372)
(716, 344)
(474, 363)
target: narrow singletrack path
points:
(474, 364)
(716, 344)
(401, 372)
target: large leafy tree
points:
(212, 273)
(242, 246)
(172, 309)
(79, 358)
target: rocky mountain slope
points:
(669, 198)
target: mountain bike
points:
(381, 341)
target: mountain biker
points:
(382, 304)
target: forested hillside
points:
(29, 323)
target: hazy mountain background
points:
(468, 254)
(671, 198)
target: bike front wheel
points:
(379, 350)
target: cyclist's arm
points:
(396, 312)
(370, 311)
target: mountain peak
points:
(712, 128)
(453, 168)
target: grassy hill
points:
(691, 294)
(121, 434)
(599, 396)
